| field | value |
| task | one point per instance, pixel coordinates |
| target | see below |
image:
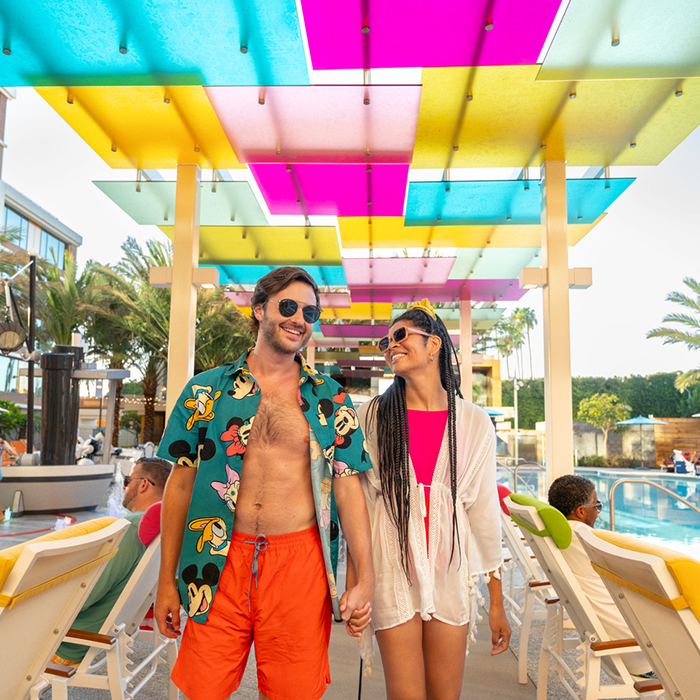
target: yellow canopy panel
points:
(360, 311)
(267, 245)
(500, 116)
(390, 232)
(145, 127)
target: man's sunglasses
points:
(128, 479)
(288, 307)
(598, 505)
(398, 336)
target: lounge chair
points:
(43, 585)
(116, 638)
(547, 531)
(527, 601)
(658, 593)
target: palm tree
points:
(689, 331)
(527, 320)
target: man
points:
(577, 499)
(142, 488)
(264, 449)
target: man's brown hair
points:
(157, 470)
(275, 281)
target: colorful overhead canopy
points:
(477, 290)
(250, 274)
(386, 272)
(131, 42)
(396, 33)
(491, 263)
(390, 232)
(145, 127)
(319, 123)
(620, 40)
(349, 330)
(154, 202)
(482, 318)
(275, 245)
(333, 300)
(352, 189)
(502, 202)
(511, 116)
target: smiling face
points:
(286, 335)
(413, 353)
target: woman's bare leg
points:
(401, 648)
(444, 651)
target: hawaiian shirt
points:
(208, 429)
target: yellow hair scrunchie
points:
(423, 305)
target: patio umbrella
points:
(492, 412)
(640, 421)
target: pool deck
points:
(485, 677)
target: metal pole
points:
(515, 417)
(30, 350)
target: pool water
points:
(640, 509)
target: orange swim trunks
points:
(286, 608)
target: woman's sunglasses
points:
(288, 307)
(398, 336)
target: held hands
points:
(500, 629)
(167, 609)
(356, 609)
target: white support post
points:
(183, 303)
(557, 340)
(465, 347)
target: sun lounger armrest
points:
(614, 646)
(536, 584)
(551, 601)
(102, 641)
(649, 686)
(60, 671)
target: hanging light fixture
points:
(12, 333)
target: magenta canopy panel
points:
(349, 189)
(321, 342)
(362, 373)
(332, 300)
(398, 33)
(452, 290)
(391, 272)
(319, 123)
(352, 330)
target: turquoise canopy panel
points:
(151, 42)
(493, 263)
(228, 204)
(250, 274)
(493, 202)
(625, 39)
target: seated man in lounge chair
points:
(577, 499)
(142, 488)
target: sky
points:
(643, 249)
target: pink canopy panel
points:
(352, 330)
(333, 300)
(363, 373)
(319, 123)
(391, 272)
(349, 189)
(398, 33)
(335, 342)
(452, 290)
(360, 363)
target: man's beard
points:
(271, 334)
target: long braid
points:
(388, 413)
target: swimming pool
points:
(640, 509)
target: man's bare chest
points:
(279, 423)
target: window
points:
(52, 249)
(17, 227)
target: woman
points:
(433, 506)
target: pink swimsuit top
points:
(425, 432)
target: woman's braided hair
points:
(389, 413)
